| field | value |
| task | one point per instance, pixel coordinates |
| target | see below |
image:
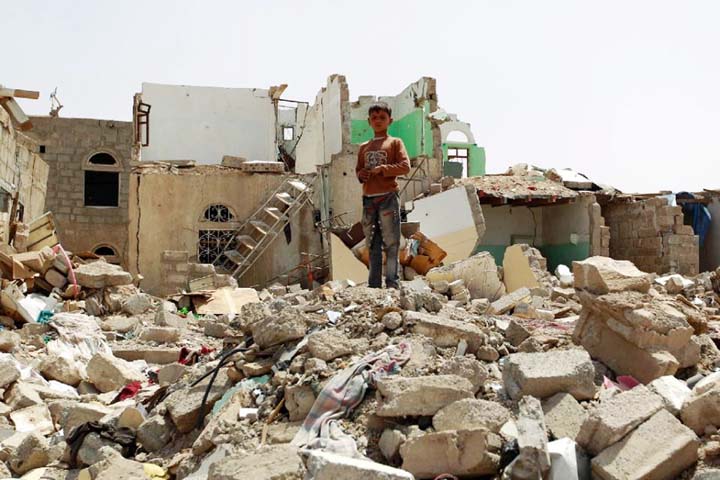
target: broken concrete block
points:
(158, 355)
(390, 442)
(109, 373)
(655, 338)
(94, 449)
(487, 354)
(479, 273)
(661, 448)
(171, 373)
(9, 372)
(616, 417)
(299, 399)
(444, 331)
(466, 367)
(471, 414)
(673, 392)
(62, 369)
(232, 161)
(21, 395)
(329, 344)
(516, 333)
(164, 318)
(563, 415)
(416, 396)
(160, 334)
(331, 466)
(55, 278)
(392, 320)
(137, 304)
(546, 373)
(8, 341)
(100, 274)
(258, 367)
(601, 275)
(35, 419)
(33, 452)
(184, 406)
(80, 413)
(466, 453)
(507, 302)
(702, 409)
(534, 458)
(119, 324)
(275, 462)
(155, 433)
(289, 324)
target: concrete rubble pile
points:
(453, 374)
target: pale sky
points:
(625, 91)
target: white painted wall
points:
(447, 128)
(205, 123)
(561, 221)
(503, 222)
(321, 136)
(401, 104)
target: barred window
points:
(218, 213)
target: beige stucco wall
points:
(166, 210)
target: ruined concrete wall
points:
(166, 213)
(651, 234)
(69, 143)
(503, 224)
(20, 167)
(599, 232)
(710, 252)
(205, 123)
(326, 127)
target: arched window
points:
(457, 136)
(102, 186)
(216, 234)
(107, 251)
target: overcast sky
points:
(625, 91)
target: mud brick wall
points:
(599, 232)
(651, 234)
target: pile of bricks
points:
(651, 234)
(599, 232)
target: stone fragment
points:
(80, 413)
(299, 400)
(479, 273)
(137, 304)
(109, 373)
(119, 324)
(33, 452)
(35, 419)
(8, 341)
(331, 466)
(466, 367)
(416, 396)
(661, 448)
(171, 373)
(289, 324)
(601, 275)
(155, 432)
(444, 331)
(184, 406)
(654, 336)
(55, 278)
(547, 373)
(159, 355)
(390, 442)
(563, 415)
(616, 417)
(329, 344)
(392, 320)
(275, 462)
(62, 369)
(702, 409)
(160, 334)
(9, 372)
(164, 318)
(673, 392)
(516, 333)
(464, 453)
(111, 465)
(508, 302)
(100, 274)
(534, 458)
(94, 449)
(21, 395)
(471, 414)
(487, 354)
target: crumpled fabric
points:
(125, 437)
(342, 394)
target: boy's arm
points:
(360, 165)
(401, 166)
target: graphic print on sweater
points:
(375, 158)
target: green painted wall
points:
(555, 254)
(414, 129)
(476, 157)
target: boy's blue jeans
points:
(381, 225)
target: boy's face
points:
(379, 121)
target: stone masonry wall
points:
(68, 144)
(651, 234)
(599, 232)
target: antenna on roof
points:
(55, 104)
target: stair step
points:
(298, 185)
(274, 212)
(260, 226)
(234, 256)
(285, 198)
(247, 241)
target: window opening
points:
(105, 251)
(459, 155)
(288, 133)
(101, 188)
(212, 244)
(102, 158)
(218, 213)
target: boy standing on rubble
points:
(379, 162)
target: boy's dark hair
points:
(380, 107)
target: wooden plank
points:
(18, 93)
(12, 107)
